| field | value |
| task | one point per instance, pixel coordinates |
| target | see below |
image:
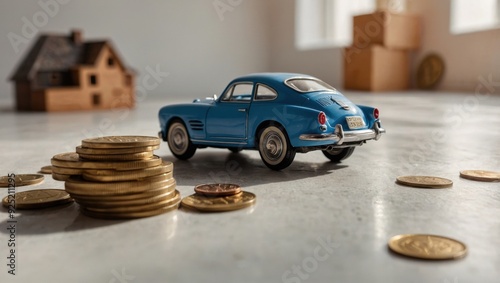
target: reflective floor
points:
(313, 222)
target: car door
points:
(227, 120)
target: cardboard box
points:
(376, 68)
(400, 31)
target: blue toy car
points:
(278, 114)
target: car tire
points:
(274, 148)
(337, 155)
(179, 142)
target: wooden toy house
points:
(64, 73)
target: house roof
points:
(59, 53)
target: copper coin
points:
(217, 190)
(480, 175)
(429, 182)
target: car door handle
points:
(242, 110)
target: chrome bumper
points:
(339, 136)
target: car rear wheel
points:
(179, 142)
(275, 149)
(337, 155)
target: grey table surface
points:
(313, 222)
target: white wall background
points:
(198, 46)
(202, 49)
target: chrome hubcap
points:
(274, 146)
(179, 139)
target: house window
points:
(111, 61)
(93, 79)
(327, 23)
(55, 79)
(470, 16)
(96, 99)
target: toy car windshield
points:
(308, 85)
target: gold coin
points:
(78, 186)
(153, 205)
(169, 188)
(114, 175)
(129, 215)
(227, 203)
(217, 190)
(112, 151)
(120, 142)
(427, 246)
(480, 175)
(35, 199)
(424, 182)
(46, 170)
(144, 200)
(72, 160)
(117, 157)
(21, 180)
(66, 171)
(60, 177)
(430, 71)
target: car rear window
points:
(308, 85)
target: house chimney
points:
(76, 36)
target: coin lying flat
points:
(35, 199)
(480, 175)
(21, 180)
(153, 205)
(169, 188)
(79, 186)
(120, 142)
(215, 190)
(427, 246)
(214, 204)
(117, 157)
(72, 160)
(128, 215)
(424, 182)
(130, 175)
(46, 170)
(112, 151)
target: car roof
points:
(270, 77)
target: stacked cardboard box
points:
(378, 59)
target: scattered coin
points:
(217, 190)
(46, 170)
(60, 177)
(21, 180)
(430, 247)
(36, 199)
(424, 182)
(430, 71)
(480, 175)
(120, 142)
(216, 204)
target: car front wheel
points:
(275, 149)
(179, 142)
(337, 155)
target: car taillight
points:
(321, 118)
(375, 113)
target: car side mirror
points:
(215, 97)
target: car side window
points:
(239, 93)
(265, 93)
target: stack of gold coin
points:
(118, 177)
(218, 197)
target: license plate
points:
(355, 122)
